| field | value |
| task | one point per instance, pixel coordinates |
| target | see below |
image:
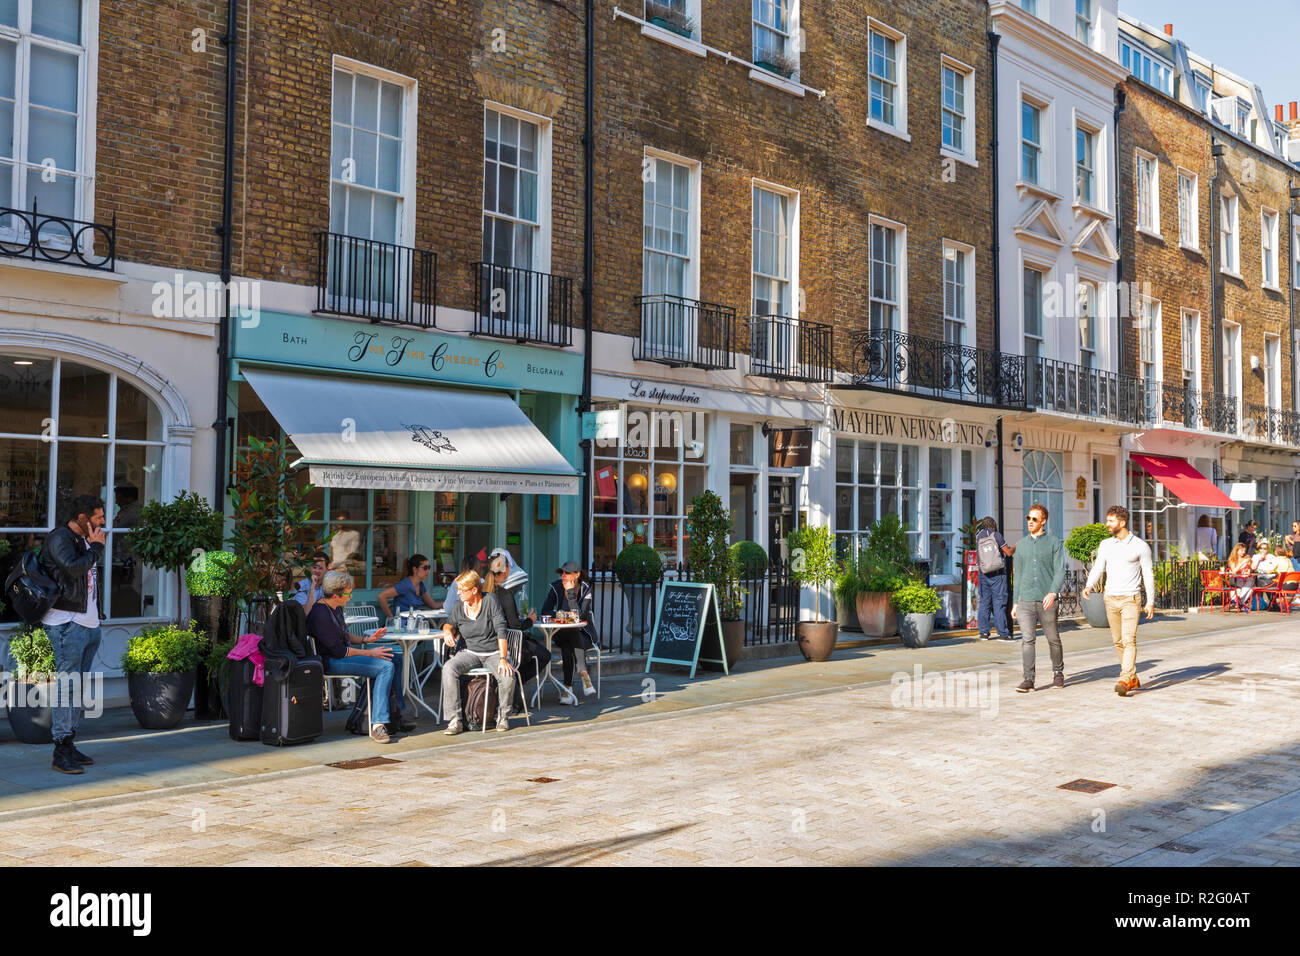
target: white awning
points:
(365, 434)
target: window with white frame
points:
(1029, 6)
(1272, 368)
(1229, 235)
(885, 257)
(1147, 67)
(1148, 193)
(874, 479)
(1083, 14)
(512, 186)
(1268, 247)
(1085, 165)
(667, 253)
(772, 259)
(680, 16)
(1033, 313)
(887, 76)
(1202, 86)
(958, 108)
(1031, 141)
(1295, 253)
(47, 96)
(1243, 114)
(1149, 340)
(958, 292)
(773, 23)
(1232, 360)
(1189, 226)
(1087, 316)
(1191, 349)
(1043, 481)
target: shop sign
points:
(790, 448)
(639, 391)
(325, 343)
(888, 426)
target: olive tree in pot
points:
(812, 564)
(712, 562)
(31, 712)
(1081, 544)
(159, 664)
(917, 605)
(638, 568)
(210, 581)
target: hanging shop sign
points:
(790, 448)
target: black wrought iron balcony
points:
(791, 349)
(1275, 425)
(523, 305)
(1198, 410)
(900, 361)
(685, 332)
(1055, 386)
(31, 234)
(375, 280)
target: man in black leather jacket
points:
(71, 555)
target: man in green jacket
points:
(1040, 572)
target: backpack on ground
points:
(990, 555)
(480, 700)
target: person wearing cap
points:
(572, 593)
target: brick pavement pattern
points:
(1209, 746)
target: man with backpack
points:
(71, 556)
(992, 550)
(1040, 574)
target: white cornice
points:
(1010, 20)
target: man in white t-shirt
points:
(1125, 559)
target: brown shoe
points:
(1025, 687)
(1058, 681)
(1133, 685)
(1121, 688)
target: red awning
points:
(1191, 487)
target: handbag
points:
(30, 591)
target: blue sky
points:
(1256, 39)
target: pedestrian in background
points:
(993, 581)
(1040, 573)
(1125, 559)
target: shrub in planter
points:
(670, 16)
(918, 605)
(813, 565)
(159, 664)
(638, 568)
(848, 585)
(879, 578)
(210, 579)
(31, 714)
(750, 558)
(1081, 544)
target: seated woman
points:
(381, 664)
(1239, 575)
(535, 655)
(409, 594)
(572, 593)
(476, 622)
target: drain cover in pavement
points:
(363, 764)
(1086, 786)
(543, 780)
(1179, 847)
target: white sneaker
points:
(588, 687)
(566, 701)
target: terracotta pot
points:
(817, 639)
(876, 615)
(733, 639)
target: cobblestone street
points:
(1201, 766)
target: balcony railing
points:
(1202, 411)
(34, 235)
(899, 361)
(784, 348)
(1275, 425)
(523, 305)
(375, 280)
(1070, 389)
(684, 332)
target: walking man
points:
(1040, 573)
(1125, 559)
(71, 556)
(993, 580)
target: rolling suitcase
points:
(291, 710)
(244, 702)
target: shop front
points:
(1171, 494)
(1266, 482)
(418, 442)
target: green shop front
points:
(418, 441)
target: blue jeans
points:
(74, 653)
(383, 673)
(993, 604)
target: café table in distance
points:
(549, 630)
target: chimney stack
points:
(1169, 29)
(1294, 106)
(1277, 111)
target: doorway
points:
(781, 515)
(742, 507)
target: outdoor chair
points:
(515, 648)
(361, 618)
(1212, 585)
(1288, 586)
(329, 691)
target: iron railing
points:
(523, 305)
(900, 361)
(1275, 425)
(679, 332)
(376, 280)
(1195, 409)
(784, 348)
(1178, 586)
(31, 234)
(1052, 385)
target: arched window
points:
(70, 428)
(1042, 482)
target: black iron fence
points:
(1057, 386)
(1276, 425)
(624, 609)
(1178, 586)
(678, 332)
(523, 305)
(375, 280)
(792, 349)
(1192, 408)
(29, 234)
(900, 361)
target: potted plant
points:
(670, 16)
(159, 664)
(812, 564)
(883, 568)
(1081, 544)
(31, 714)
(638, 569)
(917, 604)
(848, 585)
(777, 62)
(210, 582)
(751, 563)
(712, 562)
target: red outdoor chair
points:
(1213, 585)
(1288, 589)
(1235, 582)
(1272, 591)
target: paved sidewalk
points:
(1202, 763)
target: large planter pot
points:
(876, 615)
(846, 616)
(817, 639)
(159, 700)
(1094, 609)
(733, 639)
(214, 616)
(915, 629)
(640, 600)
(30, 716)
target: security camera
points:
(1017, 441)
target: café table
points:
(548, 630)
(414, 683)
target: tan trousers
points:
(1122, 614)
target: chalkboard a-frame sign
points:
(688, 627)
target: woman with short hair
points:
(476, 624)
(326, 626)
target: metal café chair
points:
(360, 618)
(515, 648)
(1214, 584)
(329, 692)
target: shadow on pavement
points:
(580, 853)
